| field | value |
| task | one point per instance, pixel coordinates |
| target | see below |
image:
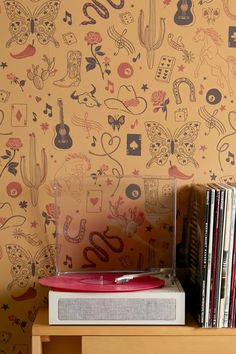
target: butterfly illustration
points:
(116, 122)
(163, 144)
(25, 266)
(23, 22)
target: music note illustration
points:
(93, 144)
(230, 159)
(68, 261)
(68, 18)
(83, 123)
(48, 110)
(94, 177)
(134, 124)
(212, 122)
(110, 86)
(87, 124)
(201, 89)
(34, 117)
(136, 58)
(227, 143)
(120, 40)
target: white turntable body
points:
(164, 306)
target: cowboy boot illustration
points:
(72, 77)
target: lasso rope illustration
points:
(115, 170)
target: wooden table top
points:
(42, 328)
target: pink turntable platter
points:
(99, 283)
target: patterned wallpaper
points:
(105, 87)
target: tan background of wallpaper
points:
(214, 132)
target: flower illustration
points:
(44, 127)
(14, 79)
(50, 214)
(11, 77)
(101, 171)
(12, 144)
(158, 97)
(92, 39)
(159, 101)
(103, 168)
(106, 62)
(52, 210)
(23, 204)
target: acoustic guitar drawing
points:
(62, 139)
(184, 15)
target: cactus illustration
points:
(147, 36)
(39, 78)
(37, 174)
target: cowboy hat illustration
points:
(7, 219)
(127, 101)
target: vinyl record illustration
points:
(99, 283)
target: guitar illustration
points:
(62, 139)
(184, 15)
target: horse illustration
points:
(221, 67)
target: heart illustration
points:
(94, 201)
(38, 99)
(110, 143)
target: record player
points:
(115, 252)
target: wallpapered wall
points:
(146, 87)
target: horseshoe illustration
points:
(176, 92)
(227, 10)
(80, 235)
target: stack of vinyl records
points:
(211, 250)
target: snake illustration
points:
(100, 9)
(98, 250)
(79, 237)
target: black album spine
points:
(205, 231)
(209, 257)
(219, 259)
(233, 284)
(214, 252)
(199, 223)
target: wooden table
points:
(188, 339)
